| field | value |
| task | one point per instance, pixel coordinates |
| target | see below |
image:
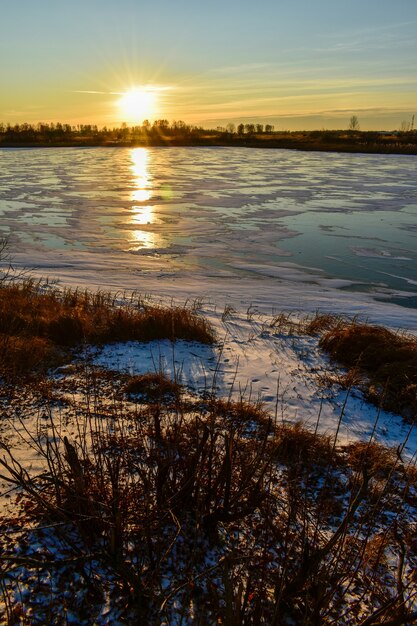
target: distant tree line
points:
(159, 130)
(177, 133)
(55, 133)
(249, 129)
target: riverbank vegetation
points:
(382, 362)
(182, 510)
(164, 133)
(379, 361)
(40, 324)
(138, 501)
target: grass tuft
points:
(20, 356)
(377, 459)
(298, 445)
(321, 322)
(52, 321)
(152, 386)
(388, 359)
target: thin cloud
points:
(375, 110)
(121, 93)
(369, 38)
(375, 29)
(245, 67)
(99, 93)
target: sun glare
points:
(138, 104)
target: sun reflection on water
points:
(141, 215)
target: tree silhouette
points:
(354, 123)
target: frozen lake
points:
(273, 228)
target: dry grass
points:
(240, 414)
(411, 472)
(208, 513)
(295, 444)
(52, 321)
(286, 323)
(20, 356)
(378, 460)
(352, 378)
(388, 359)
(152, 386)
(321, 322)
(293, 323)
(201, 511)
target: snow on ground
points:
(251, 360)
(254, 361)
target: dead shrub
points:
(376, 551)
(183, 514)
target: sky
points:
(296, 64)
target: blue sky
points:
(298, 64)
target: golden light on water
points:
(141, 180)
(138, 104)
(141, 215)
(141, 195)
(139, 167)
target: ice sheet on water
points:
(381, 254)
(218, 222)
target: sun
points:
(138, 104)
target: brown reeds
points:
(181, 509)
(151, 386)
(206, 512)
(387, 359)
(38, 325)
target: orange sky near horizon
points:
(290, 64)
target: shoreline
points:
(162, 134)
(251, 146)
